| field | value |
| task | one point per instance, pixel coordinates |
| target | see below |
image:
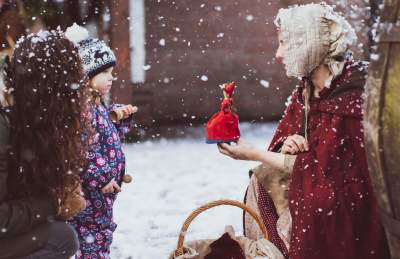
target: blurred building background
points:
(173, 54)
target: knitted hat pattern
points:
(95, 54)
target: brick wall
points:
(193, 46)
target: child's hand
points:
(127, 110)
(122, 112)
(111, 187)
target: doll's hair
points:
(48, 119)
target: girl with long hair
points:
(42, 148)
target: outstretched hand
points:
(240, 151)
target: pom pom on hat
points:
(76, 34)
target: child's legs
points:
(95, 227)
(95, 243)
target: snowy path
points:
(171, 179)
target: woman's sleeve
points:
(289, 163)
(17, 216)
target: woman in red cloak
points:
(320, 143)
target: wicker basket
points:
(180, 245)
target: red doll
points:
(223, 127)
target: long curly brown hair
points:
(48, 121)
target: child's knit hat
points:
(95, 54)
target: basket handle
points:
(195, 213)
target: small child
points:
(101, 180)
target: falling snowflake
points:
(374, 57)
(264, 83)
(204, 78)
(249, 17)
(74, 86)
(218, 8)
(146, 67)
(166, 80)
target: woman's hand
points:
(240, 151)
(111, 187)
(294, 144)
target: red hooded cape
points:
(331, 199)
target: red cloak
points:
(331, 199)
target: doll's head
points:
(228, 89)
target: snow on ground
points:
(172, 178)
